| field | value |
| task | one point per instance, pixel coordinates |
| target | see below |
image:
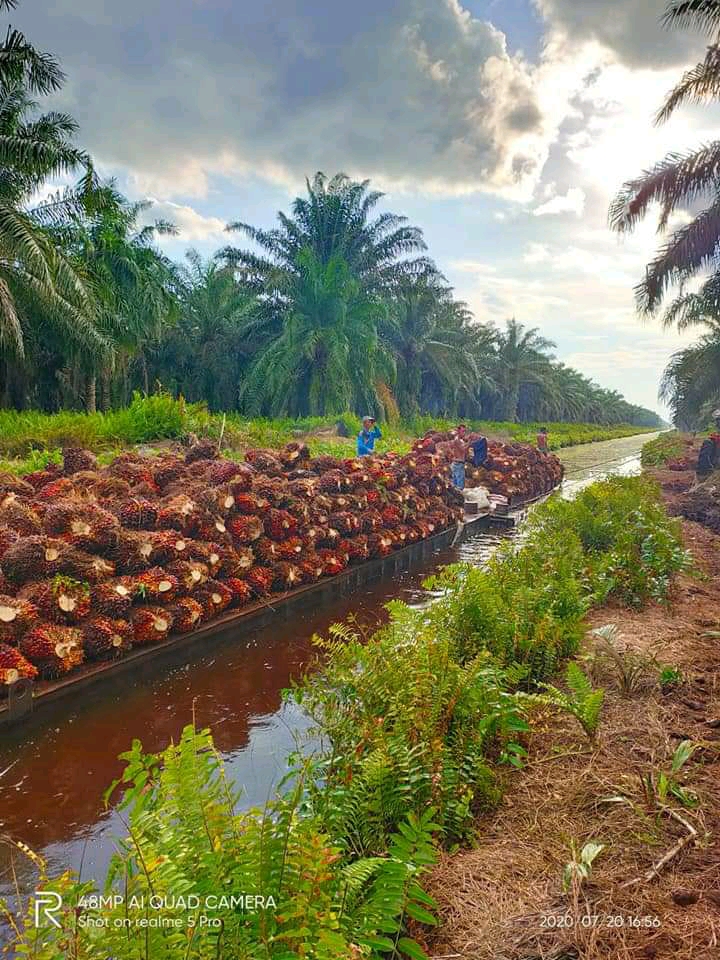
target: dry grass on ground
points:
(503, 900)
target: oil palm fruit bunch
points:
(274, 489)
(60, 600)
(304, 489)
(17, 616)
(291, 549)
(214, 596)
(56, 489)
(32, 558)
(84, 525)
(156, 586)
(8, 537)
(9, 483)
(287, 576)
(113, 599)
(346, 522)
(177, 513)
(311, 566)
(343, 549)
(240, 559)
(245, 529)
(265, 461)
(260, 579)
(39, 478)
(54, 650)
(217, 556)
(167, 470)
(137, 550)
(19, 516)
(85, 566)
(391, 516)
(242, 479)
(249, 504)
(294, 453)
(329, 537)
(217, 500)
(137, 513)
(334, 481)
(150, 624)
(202, 450)
(106, 488)
(358, 549)
(187, 614)
(106, 639)
(14, 666)
(267, 551)
(322, 464)
(76, 459)
(241, 590)
(190, 574)
(332, 560)
(209, 526)
(279, 524)
(371, 520)
(380, 544)
(223, 471)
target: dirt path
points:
(504, 900)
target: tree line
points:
(337, 308)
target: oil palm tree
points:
(691, 382)
(522, 357)
(682, 179)
(328, 357)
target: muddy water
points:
(55, 768)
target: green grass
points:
(668, 446)
(29, 440)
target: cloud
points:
(407, 91)
(630, 28)
(192, 226)
(571, 202)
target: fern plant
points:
(580, 700)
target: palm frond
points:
(700, 14)
(698, 85)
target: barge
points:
(26, 696)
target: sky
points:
(502, 128)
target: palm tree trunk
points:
(91, 394)
(105, 390)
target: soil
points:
(504, 899)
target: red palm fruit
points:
(274, 489)
(53, 649)
(9, 483)
(177, 513)
(76, 459)
(371, 521)
(56, 489)
(287, 576)
(106, 639)
(260, 580)
(17, 616)
(156, 585)
(216, 556)
(241, 481)
(251, 503)
(312, 534)
(136, 551)
(264, 461)
(291, 549)
(241, 590)
(214, 597)
(333, 481)
(60, 600)
(202, 450)
(150, 624)
(412, 532)
(328, 538)
(423, 527)
(31, 558)
(19, 516)
(333, 562)
(379, 544)
(347, 523)
(84, 566)
(14, 666)
(138, 514)
(358, 548)
(83, 525)
(107, 488)
(322, 464)
(190, 574)
(187, 614)
(113, 598)
(267, 551)
(343, 502)
(398, 535)
(279, 524)
(294, 453)
(8, 537)
(240, 559)
(167, 470)
(38, 478)
(217, 501)
(207, 526)
(391, 517)
(311, 566)
(133, 469)
(373, 497)
(322, 502)
(344, 550)
(222, 471)
(245, 529)
(305, 488)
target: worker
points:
(458, 452)
(709, 456)
(542, 440)
(479, 448)
(369, 433)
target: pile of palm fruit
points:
(97, 560)
(516, 471)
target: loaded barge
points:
(26, 696)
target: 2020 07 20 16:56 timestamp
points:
(588, 920)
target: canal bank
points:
(234, 688)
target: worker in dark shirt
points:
(709, 456)
(479, 450)
(542, 440)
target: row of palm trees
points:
(338, 307)
(687, 264)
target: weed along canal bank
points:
(58, 762)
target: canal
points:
(55, 767)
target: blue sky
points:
(501, 127)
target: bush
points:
(668, 446)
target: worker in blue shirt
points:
(368, 435)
